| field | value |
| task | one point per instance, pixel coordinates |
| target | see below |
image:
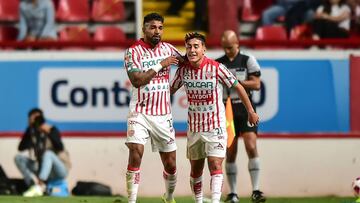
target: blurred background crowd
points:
(119, 21)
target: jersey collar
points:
(203, 62)
(147, 45)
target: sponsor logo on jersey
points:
(199, 84)
(151, 62)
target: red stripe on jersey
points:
(157, 103)
(158, 50)
(161, 102)
(147, 103)
(189, 122)
(152, 104)
(133, 59)
(143, 50)
(226, 76)
(194, 122)
(216, 100)
(222, 80)
(199, 115)
(142, 103)
(213, 120)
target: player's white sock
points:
(254, 170)
(231, 173)
(132, 183)
(196, 187)
(170, 183)
(216, 183)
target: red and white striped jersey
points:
(204, 89)
(154, 97)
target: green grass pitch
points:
(72, 199)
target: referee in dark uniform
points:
(247, 70)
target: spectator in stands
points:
(301, 12)
(200, 19)
(271, 14)
(37, 20)
(332, 20)
(41, 156)
(355, 8)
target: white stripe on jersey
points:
(153, 98)
(204, 93)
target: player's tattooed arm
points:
(139, 79)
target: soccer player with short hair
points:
(202, 79)
(147, 63)
(247, 71)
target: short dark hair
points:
(192, 35)
(153, 16)
(35, 110)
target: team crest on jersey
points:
(146, 55)
(165, 51)
(186, 75)
(209, 75)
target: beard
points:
(155, 40)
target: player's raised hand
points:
(171, 60)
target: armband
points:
(157, 67)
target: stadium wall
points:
(307, 147)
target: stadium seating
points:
(301, 32)
(8, 33)
(74, 34)
(252, 9)
(73, 11)
(271, 32)
(9, 10)
(56, 3)
(108, 10)
(109, 34)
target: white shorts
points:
(203, 144)
(159, 129)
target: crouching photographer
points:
(42, 156)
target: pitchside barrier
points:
(304, 94)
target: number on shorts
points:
(218, 131)
(170, 122)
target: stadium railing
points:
(353, 43)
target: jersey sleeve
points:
(131, 60)
(226, 77)
(177, 82)
(253, 66)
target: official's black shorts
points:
(241, 118)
